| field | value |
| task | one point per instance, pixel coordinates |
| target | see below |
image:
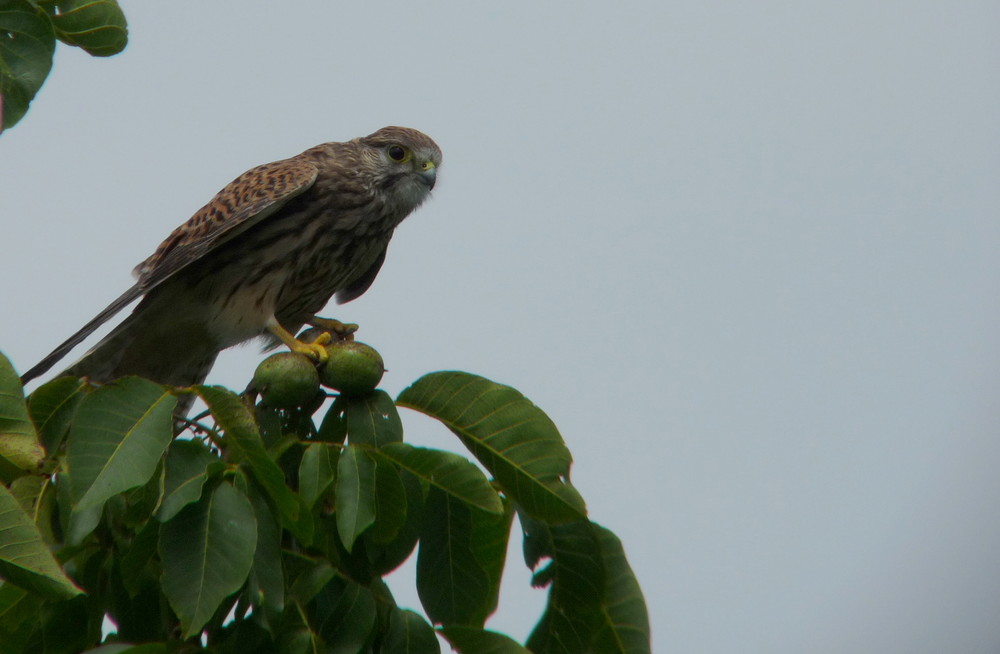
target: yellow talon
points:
(323, 339)
(315, 350)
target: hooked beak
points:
(428, 174)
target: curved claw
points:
(342, 330)
(315, 350)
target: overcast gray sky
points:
(745, 254)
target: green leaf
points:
(267, 580)
(624, 624)
(26, 490)
(448, 471)
(310, 575)
(71, 626)
(390, 503)
(269, 425)
(207, 551)
(19, 446)
(25, 560)
(137, 556)
(97, 26)
(27, 42)
(19, 618)
(188, 466)
(142, 616)
(510, 436)
(236, 420)
(355, 494)
(491, 534)
(577, 569)
(140, 503)
(386, 557)
(409, 633)
(117, 438)
(343, 613)
(333, 429)
(317, 471)
(299, 641)
(453, 585)
(595, 603)
(243, 636)
(44, 508)
(576, 574)
(76, 524)
(52, 407)
(472, 640)
(370, 419)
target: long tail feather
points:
(57, 354)
(137, 346)
(152, 343)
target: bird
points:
(261, 259)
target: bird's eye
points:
(396, 152)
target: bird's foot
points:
(344, 331)
(315, 349)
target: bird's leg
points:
(342, 330)
(314, 350)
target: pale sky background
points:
(745, 254)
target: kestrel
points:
(262, 258)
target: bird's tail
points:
(139, 346)
(57, 354)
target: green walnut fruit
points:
(286, 380)
(353, 368)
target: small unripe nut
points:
(352, 368)
(286, 380)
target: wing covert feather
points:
(244, 202)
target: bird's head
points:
(406, 163)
